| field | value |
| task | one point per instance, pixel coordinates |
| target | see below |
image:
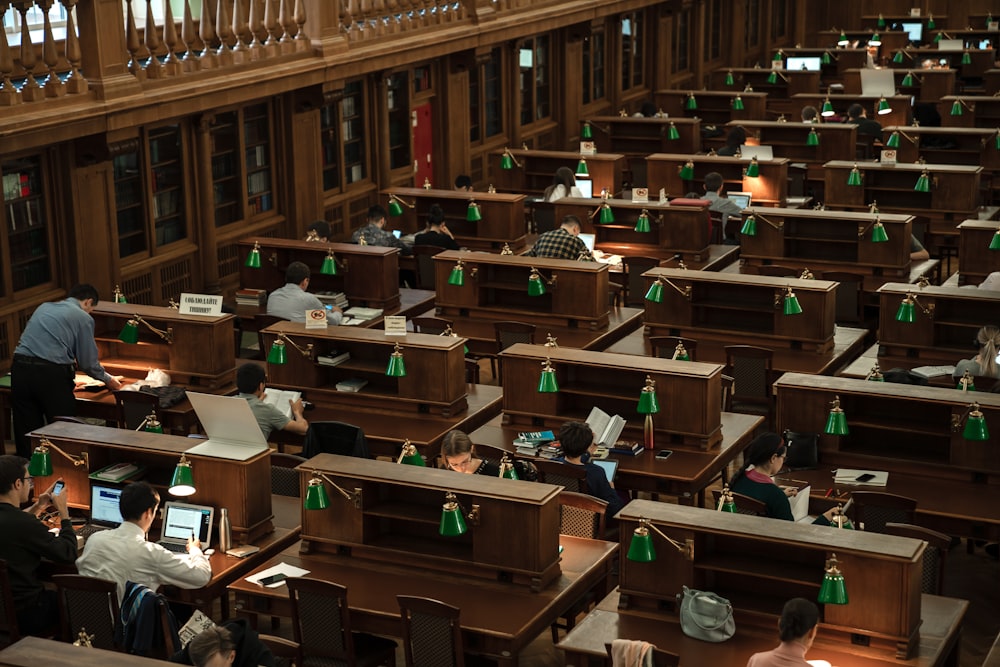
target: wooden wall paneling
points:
(452, 118)
(206, 203)
(568, 87)
(304, 160)
(93, 258)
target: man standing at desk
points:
(58, 336)
(562, 243)
(292, 301)
(124, 554)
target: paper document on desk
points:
(84, 381)
(800, 504)
(280, 568)
(850, 476)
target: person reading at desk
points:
(123, 554)
(232, 643)
(26, 541)
(459, 454)
(437, 232)
(797, 630)
(577, 442)
(250, 379)
(764, 458)
(984, 363)
(562, 243)
(292, 301)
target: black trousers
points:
(40, 391)
(41, 618)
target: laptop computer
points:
(181, 520)
(609, 466)
(585, 186)
(588, 240)
(741, 199)
(759, 152)
(105, 512)
(877, 83)
(232, 430)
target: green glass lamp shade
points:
(253, 258)
(642, 223)
(956, 108)
(673, 134)
(875, 40)
(129, 333)
(457, 276)
(119, 297)
(975, 426)
(772, 77)
(411, 457)
(966, 383)
(923, 183)
(966, 58)
(842, 40)
(730, 80)
(641, 549)
(473, 213)
(329, 266)
(841, 522)
(883, 107)
(507, 469)
(812, 139)
(506, 161)
(836, 422)
(906, 313)
(827, 109)
(728, 506)
(898, 58)
(995, 241)
(691, 103)
(792, 306)
(881, 22)
(749, 227)
(893, 141)
(681, 354)
(879, 234)
(930, 23)
(41, 463)
(738, 103)
(687, 171)
(854, 178)
(585, 133)
(753, 169)
(536, 286)
(649, 404)
(996, 141)
(396, 367)
(182, 482)
(825, 59)
(581, 168)
(277, 355)
(989, 20)
(833, 590)
(606, 215)
(778, 56)
(547, 383)
(907, 80)
(395, 208)
(655, 292)
(452, 521)
(153, 425)
(937, 38)
(316, 495)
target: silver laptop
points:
(105, 510)
(588, 240)
(609, 466)
(951, 45)
(741, 199)
(181, 521)
(759, 152)
(878, 83)
(585, 186)
(232, 429)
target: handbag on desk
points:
(801, 450)
(706, 616)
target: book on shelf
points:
(352, 385)
(117, 472)
(607, 429)
(550, 451)
(861, 477)
(333, 358)
(280, 398)
(526, 448)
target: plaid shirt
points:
(560, 244)
(375, 235)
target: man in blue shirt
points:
(58, 338)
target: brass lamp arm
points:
(307, 351)
(354, 497)
(166, 334)
(687, 549)
(80, 460)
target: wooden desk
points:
(712, 106)
(971, 146)
(847, 344)
(534, 175)
(977, 111)
(788, 82)
(500, 629)
(929, 85)
(638, 137)
(788, 139)
(35, 651)
(975, 259)
(901, 114)
(840, 59)
(770, 188)
(584, 646)
(981, 60)
(687, 472)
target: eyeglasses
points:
(29, 480)
(460, 465)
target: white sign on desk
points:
(588, 148)
(395, 325)
(888, 156)
(201, 304)
(316, 319)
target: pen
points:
(829, 492)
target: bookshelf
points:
(130, 207)
(27, 227)
(167, 173)
(256, 128)
(226, 190)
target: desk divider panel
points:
(901, 105)
(714, 107)
(977, 111)
(946, 145)
(788, 82)
(770, 188)
(689, 393)
(788, 139)
(637, 137)
(759, 563)
(398, 514)
(368, 275)
(537, 167)
(976, 259)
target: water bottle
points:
(225, 531)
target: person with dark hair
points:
(374, 233)
(58, 339)
(763, 459)
(459, 454)
(563, 185)
(866, 127)
(734, 140)
(124, 554)
(562, 243)
(577, 443)
(717, 201)
(318, 231)
(232, 643)
(250, 379)
(437, 232)
(647, 110)
(26, 541)
(463, 183)
(292, 301)
(810, 114)
(797, 630)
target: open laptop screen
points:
(104, 505)
(741, 199)
(182, 519)
(588, 240)
(585, 186)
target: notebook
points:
(232, 429)
(180, 520)
(741, 199)
(588, 240)
(105, 512)
(609, 466)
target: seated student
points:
(563, 185)
(437, 232)
(123, 554)
(562, 243)
(26, 541)
(292, 301)
(577, 442)
(463, 183)
(250, 379)
(856, 114)
(918, 253)
(763, 459)
(318, 231)
(985, 362)
(459, 454)
(374, 233)
(797, 629)
(737, 137)
(232, 643)
(810, 114)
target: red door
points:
(423, 142)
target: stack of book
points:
(333, 358)
(338, 299)
(550, 451)
(626, 448)
(352, 385)
(251, 297)
(529, 442)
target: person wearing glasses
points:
(763, 459)
(26, 541)
(459, 454)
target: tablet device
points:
(609, 466)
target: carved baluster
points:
(172, 62)
(300, 21)
(75, 83)
(271, 24)
(206, 30)
(8, 93)
(346, 19)
(189, 34)
(286, 23)
(238, 26)
(222, 26)
(132, 43)
(154, 69)
(253, 22)
(30, 91)
(53, 86)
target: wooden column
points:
(323, 26)
(206, 206)
(103, 51)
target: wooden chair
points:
(716, 221)
(568, 476)
(333, 437)
(543, 216)
(635, 286)
(321, 620)
(9, 630)
(430, 325)
(751, 369)
(778, 271)
(938, 544)
(88, 603)
(134, 406)
(262, 322)
(507, 334)
(850, 296)
(616, 293)
(874, 509)
(432, 633)
(661, 658)
(284, 478)
(491, 453)
(664, 346)
(726, 382)
(580, 515)
(744, 504)
(424, 256)
(286, 652)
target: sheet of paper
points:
(280, 568)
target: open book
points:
(279, 398)
(607, 429)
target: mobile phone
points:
(663, 454)
(273, 579)
(57, 489)
(867, 477)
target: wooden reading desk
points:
(769, 188)
(712, 106)
(975, 258)
(533, 170)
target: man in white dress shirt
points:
(292, 301)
